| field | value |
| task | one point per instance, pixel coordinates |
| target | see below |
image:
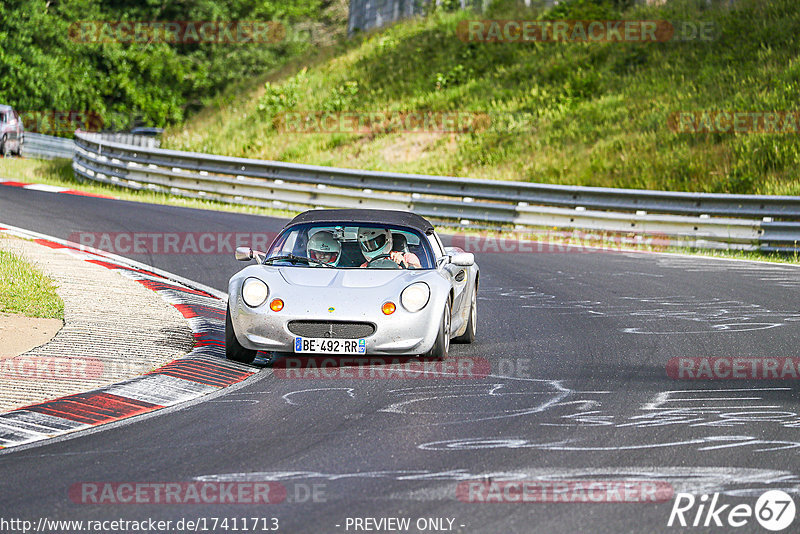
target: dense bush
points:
(45, 67)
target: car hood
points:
(345, 278)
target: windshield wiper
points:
(295, 259)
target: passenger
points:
(325, 248)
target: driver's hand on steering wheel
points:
(399, 258)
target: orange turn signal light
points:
(388, 308)
(276, 305)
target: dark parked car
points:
(149, 131)
(11, 131)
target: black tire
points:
(441, 347)
(472, 323)
(233, 350)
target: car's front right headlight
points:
(254, 292)
(415, 296)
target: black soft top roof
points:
(361, 216)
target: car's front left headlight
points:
(254, 292)
(415, 296)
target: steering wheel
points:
(387, 258)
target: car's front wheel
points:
(233, 350)
(472, 323)
(441, 347)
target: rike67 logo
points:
(774, 510)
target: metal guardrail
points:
(691, 219)
(46, 146)
(36, 145)
(129, 139)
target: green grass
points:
(741, 255)
(598, 112)
(25, 290)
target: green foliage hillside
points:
(595, 113)
(45, 68)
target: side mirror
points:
(463, 259)
(244, 253)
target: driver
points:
(324, 247)
(377, 242)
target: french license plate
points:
(329, 346)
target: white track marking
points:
(287, 397)
(442, 485)
(46, 188)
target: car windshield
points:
(351, 246)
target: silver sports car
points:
(352, 282)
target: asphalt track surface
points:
(578, 345)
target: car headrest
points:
(399, 242)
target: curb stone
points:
(202, 371)
(104, 338)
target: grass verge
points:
(25, 290)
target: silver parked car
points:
(355, 282)
(11, 131)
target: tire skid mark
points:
(430, 485)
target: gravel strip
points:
(114, 329)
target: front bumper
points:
(401, 333)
